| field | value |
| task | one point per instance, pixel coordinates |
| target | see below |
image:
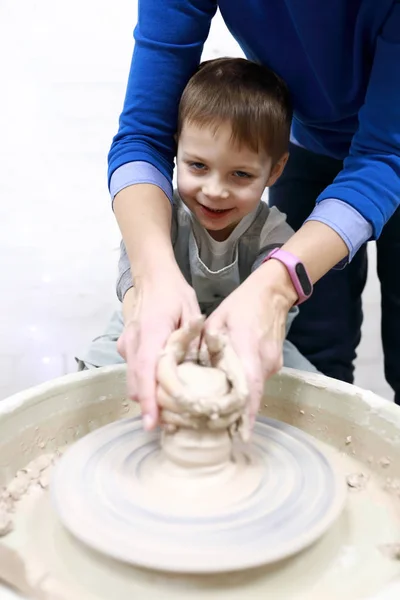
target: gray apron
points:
(211, 287)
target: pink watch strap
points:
(297, 272)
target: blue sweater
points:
(341, 61)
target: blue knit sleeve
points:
(370, 179)
(169, 38)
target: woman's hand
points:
(254, 318)
(161, 301)
(155, 308)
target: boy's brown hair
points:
(253, 99)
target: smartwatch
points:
(297, 273)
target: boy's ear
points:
(277, 169)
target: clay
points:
(6, 509)
(13, 572)
(207, 389)
(44, 478)
(6, 524)
(6, 502)
(37, 471)
(392, 551)
(203, 404)
(357, 481)
(392, 485)
(19, 486)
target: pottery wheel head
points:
(117, 493)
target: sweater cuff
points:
(346, 221)
(138, 172)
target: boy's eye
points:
(242, 175)
(198, 166)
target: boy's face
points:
(219, 181)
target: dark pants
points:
(328, 328)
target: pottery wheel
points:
(114, 491)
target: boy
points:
(232, 142)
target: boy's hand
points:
(254, 317)
(155, 308)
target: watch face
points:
(303, 278)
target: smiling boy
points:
(232, 143)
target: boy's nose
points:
(214, 190)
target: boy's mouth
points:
(214, 212)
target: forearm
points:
(317, 246)
(143, 213)
(128, 305)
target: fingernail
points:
(148, 422)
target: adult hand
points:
(155, 308)
(254, 318)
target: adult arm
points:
(349, 212)
(367, 191)
(255, 314)
(169, 38)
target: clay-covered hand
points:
(197, 389)
(253, 318)
(153, 310)
(180, 346)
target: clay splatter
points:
(357, 481)
(37, 471)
